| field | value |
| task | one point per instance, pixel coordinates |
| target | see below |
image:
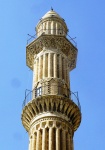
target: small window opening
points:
(39, 91)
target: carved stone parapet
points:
(51, 41)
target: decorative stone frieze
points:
(51, 41)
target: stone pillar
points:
(50, 65)
(49, 27)
(36, 70)
(60, 66)
(44, 66)
(56, 28)
(64, 69)
(38, 144)
(68, 77)
(40, 68)
(68, 142)
(33, 143)
(30, 144)
(71, 142)
(63, 140)
(57, 139)
(44, 140)
(52, 27)
(55, 65)
(72, 145)
(51, 143)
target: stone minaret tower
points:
(52, 113)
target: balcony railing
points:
(29, 95)
(49, 32)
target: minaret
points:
(51, 112)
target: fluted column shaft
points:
(50, 65)
(38, 144)
(55, 65)
(64, 69)
(52, 27)
(40, 68)
(60, 66)
(63, 140)
(68, 142)
(49, 27)
(44, 66)
(44, 140)
(72, 145)
(57, 139)
(33, 143)
(57, 28)
(68, 78)
(30, 144)
(36, 71)
(51, 142)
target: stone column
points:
(36, 70)
(52, 27)
(51, 143)
(47, 27)
(55, 65)
(30, 144)
(38, 142)
(68, 77)
(63, 140)
(64, 69)
(44, 140)
(56, 28)
(68, 142)
(57, 139)
(50, 65)
(60, 66)
(33, 143)
(44, 66)
(40, 68)
(72, 144)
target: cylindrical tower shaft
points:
(51, 116)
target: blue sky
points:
(86, 22)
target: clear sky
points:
(86, 21)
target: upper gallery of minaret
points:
(51, 54)
(51, 23)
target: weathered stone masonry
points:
(51, 116)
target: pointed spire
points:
(51, 8)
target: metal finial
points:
(51, 8)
